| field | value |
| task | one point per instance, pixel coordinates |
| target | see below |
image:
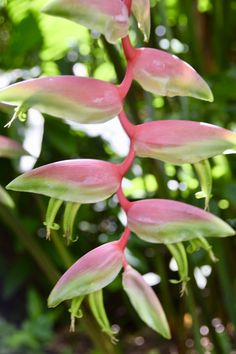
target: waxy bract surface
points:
(105, 16)
(79, 181)
(145, 301)
(179, 142)
(92, 272)
(10, 148)
(81, 99)
(164, 74)
(167, 221)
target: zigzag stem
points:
(128, 49)
(128, 5)
(124, 87)
(126, 124)
(124, 238)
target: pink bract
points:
(92, 272)
(105, 16)
(182, 141)
(167, 221)
(165, 74)
(145, 301)
(80, 181)
(84, 100)
(10, 148)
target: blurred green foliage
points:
(31, 44)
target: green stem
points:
(65, 256)
(13, 223)
(191, 304)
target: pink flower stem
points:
(124, 238)
(124, 87)
(128, 49)
(128, 4)
(126, 124)
(124, 202)
(125, 165)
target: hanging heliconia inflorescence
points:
(75, 182)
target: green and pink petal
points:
(165, 74)
(182, 141)
(95, 270)
(78, 181)
(145, 301)
(105, 16)
(166, 221)
(81, 99)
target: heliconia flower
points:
(92, 272)
(81, 99)
(167, 221)
(79, 181)
(165, 74)
(10, 148)
(105, 16)
(182, 141)
(145, 301)
(141, 10)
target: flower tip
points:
(53, 300)
(208, 95)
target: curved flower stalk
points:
(105, 16)
(164, 74)
(81, 99)
(10, 148)
(145, 301)
(167, 221)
